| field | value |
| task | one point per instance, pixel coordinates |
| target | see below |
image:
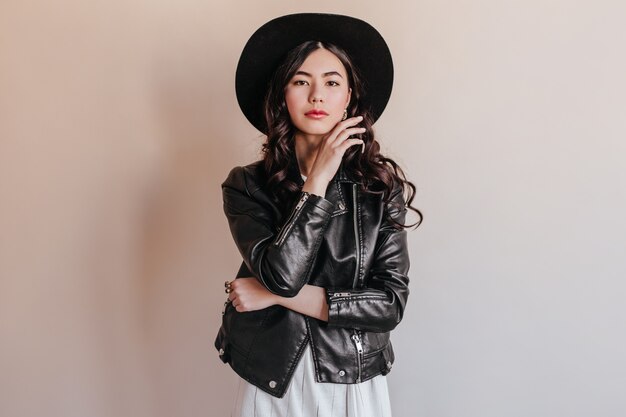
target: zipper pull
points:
(305, 197)
(357, 342)
(340, 294)
(359, 355)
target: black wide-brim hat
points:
(269, 45)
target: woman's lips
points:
(316, 114)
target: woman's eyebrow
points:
(326, 74)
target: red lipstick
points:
(316, 113)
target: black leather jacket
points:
(343, 243)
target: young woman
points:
(319, 222)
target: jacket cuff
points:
(335, 301)
(321, 203)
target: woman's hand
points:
(331, 151)
(248, 294)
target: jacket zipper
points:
(356, 235)
(359, 353)
(289, 223)
(356, 337)
(340, 295)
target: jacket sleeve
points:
(379, 306)
(281, 260)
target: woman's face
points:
(318, 93)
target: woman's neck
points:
(306, 147)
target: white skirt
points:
(307, 398)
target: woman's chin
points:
(315, 129)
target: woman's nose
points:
(316, 95)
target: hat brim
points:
(268, 46)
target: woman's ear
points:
(348, 99)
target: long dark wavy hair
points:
(375, 172)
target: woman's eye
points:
(300, 82)
(333, 83)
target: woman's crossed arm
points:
(248, 294)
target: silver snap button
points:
(342, 372)
(272, 384)
(221, 352)
(389, 364)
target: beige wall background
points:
(118, 123)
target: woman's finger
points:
(350, 142)
(343, 125)
(347, 133)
